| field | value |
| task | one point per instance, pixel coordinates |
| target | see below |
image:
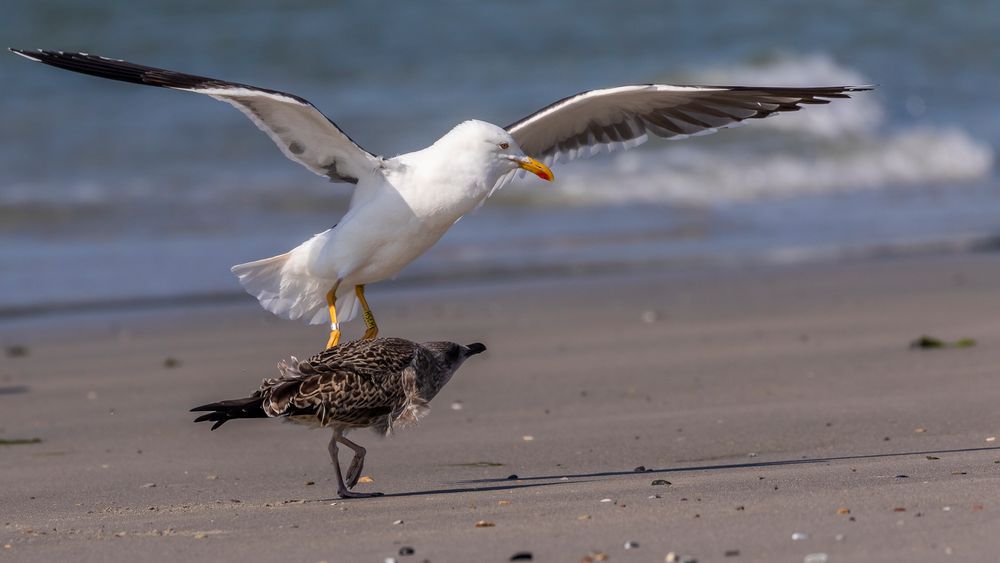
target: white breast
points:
(392, 222)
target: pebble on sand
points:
(170, 362)
(660, 482)
(406, 550)
(799, 536)
(147, 485)
(366, 480)
(484, 524)
(16, 351)
(522, 556)
(631, 545)
(815, 558)
(843, 511)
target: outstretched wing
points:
(300, 130)
(584, 124)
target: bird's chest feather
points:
(439, 198)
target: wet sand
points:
(774, 401)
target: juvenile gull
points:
(383, 383)
(403, 205)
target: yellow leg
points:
(371, 330)
(331, 301)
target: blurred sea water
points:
(115, 192)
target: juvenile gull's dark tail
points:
(223, 411)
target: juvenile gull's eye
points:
(504, 146)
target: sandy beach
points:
(783, 406)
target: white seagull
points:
(401, 206)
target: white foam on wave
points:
(705, 176)
(840, 147)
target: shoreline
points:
(478, 275)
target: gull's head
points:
(492, 147)
(451, 355)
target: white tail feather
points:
(291, 294)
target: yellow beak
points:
(535, 167)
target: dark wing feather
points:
(583, 124)
(300, 130)
(353, 384)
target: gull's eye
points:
(504, 146)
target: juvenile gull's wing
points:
(300, 130)
(583, 124)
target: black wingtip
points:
(476, 348)
(26, 54)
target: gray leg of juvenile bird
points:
(357, 464)
(342, 489)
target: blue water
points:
(113, 191)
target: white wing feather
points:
(300, 130)
(621, 118)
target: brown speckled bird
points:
(383, 384)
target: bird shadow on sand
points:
(723, 466)
(512, 484)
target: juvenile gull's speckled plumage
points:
(383, 383)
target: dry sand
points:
(775, 401)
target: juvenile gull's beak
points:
(535, 167)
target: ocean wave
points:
(725, 174)
(840, 147)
